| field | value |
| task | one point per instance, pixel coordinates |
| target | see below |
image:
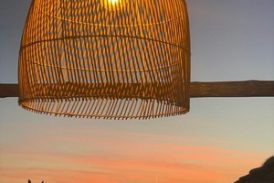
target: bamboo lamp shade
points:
(110, 59)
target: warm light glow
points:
(113, 5)
(122, 72)
(113, 2)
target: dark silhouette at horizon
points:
(263, 174)
(29, 181)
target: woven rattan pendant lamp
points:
(111, 59)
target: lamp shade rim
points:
(103, 108)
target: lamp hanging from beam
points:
(111, 59)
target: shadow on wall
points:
(264, 174)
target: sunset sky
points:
(219, 141)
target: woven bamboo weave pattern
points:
(111, 59)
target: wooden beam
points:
(197, 89)
(232, 89)
(9, 90)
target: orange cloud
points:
(170, 163)
(15, 175)
(109, 158)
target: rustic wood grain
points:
(197, 89)
(9, 90)
(232, 89)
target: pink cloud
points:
(110, 159)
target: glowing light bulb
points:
(114, 5)
(113, 2)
